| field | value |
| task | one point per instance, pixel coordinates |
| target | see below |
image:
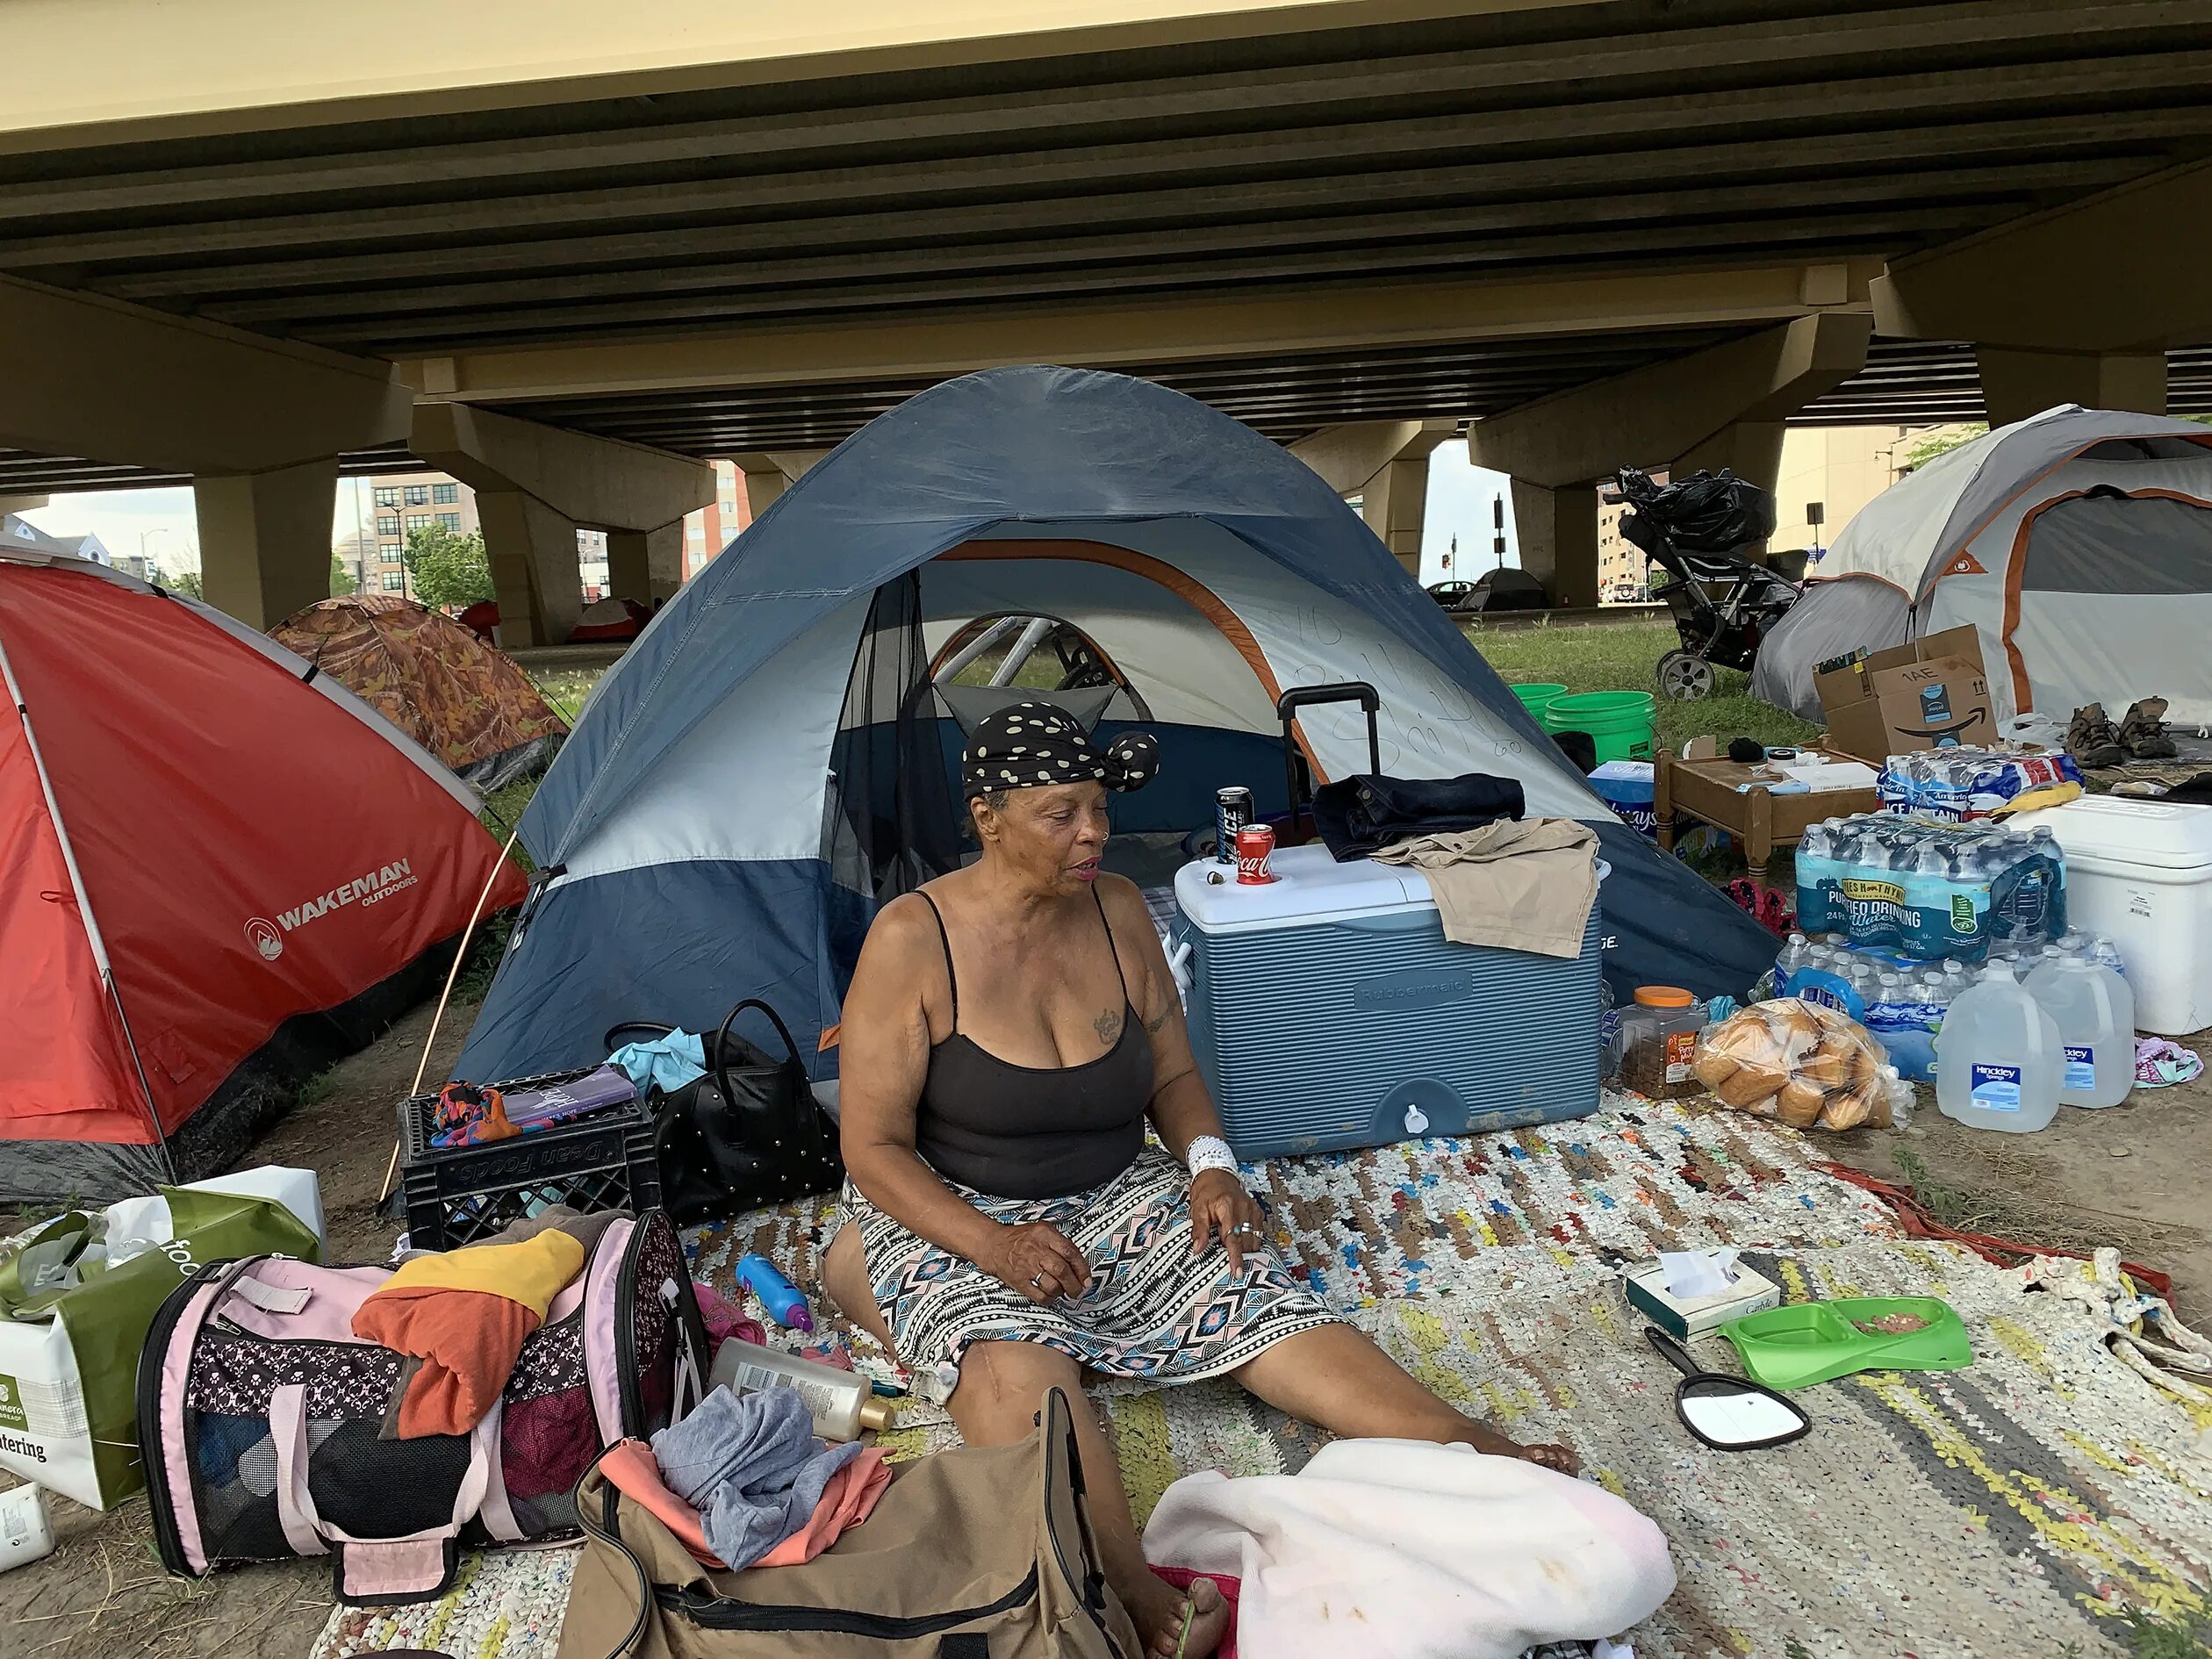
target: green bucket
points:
(1535, 698)
(1618, 721)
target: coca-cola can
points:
(1255, 842)
(1232, 811)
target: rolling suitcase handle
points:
(1287, 707)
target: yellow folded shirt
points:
(531, 1272)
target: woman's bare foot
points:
(1548, 1455)
(1158, 1613)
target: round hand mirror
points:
(1728, 1413)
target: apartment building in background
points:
(1620, 562)
(1829, 473)
(709, 530)
(396, 504)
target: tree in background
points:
(445, 568)
(341, 579)
(187, 583)
(1943, 441)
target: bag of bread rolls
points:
(1806, 1064)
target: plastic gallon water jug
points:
(1997, 1057)
(2095, 1012)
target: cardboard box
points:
(1930, 694)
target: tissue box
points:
(1647, 1293)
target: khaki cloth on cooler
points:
(1518, 883)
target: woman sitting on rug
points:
(1010, 1028)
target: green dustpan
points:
(1810, 1342)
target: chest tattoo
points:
(1108, 1026)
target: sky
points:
(1461, 496)
(160, 523)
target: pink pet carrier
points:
(261, 1415)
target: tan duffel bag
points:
(978, 1553)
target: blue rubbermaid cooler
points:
(1327, 1010)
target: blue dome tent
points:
(771, 762)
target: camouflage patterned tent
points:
(463, 700)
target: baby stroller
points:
(1722, 606)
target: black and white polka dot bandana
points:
(1030, 745)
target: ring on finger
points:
(1037, 1281)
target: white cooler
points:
(2140, 873)
(1327, 1010)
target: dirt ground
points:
(2133, 1177)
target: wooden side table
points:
(1707, 790)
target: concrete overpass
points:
(568, 250)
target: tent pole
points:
(975, 648)
(460, 955)
(1020, 651)
(85, 907)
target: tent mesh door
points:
(891, 821)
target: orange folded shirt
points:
(846, 1501)
(463, 1316)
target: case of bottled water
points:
(1958, 786)
(1905, 1001)
(1933, 892)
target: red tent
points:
(222, 872)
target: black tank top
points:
(1033, 1132)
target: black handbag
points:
(748, 1134)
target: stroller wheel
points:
(1683, 677)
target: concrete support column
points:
(1751, 449)
(769, 473)
(535, 485)
(265, 540)
(645, 566)
(1557, 531)
(1394, 502)
(2017, 382)
(762, 485)
(532, 551)
(21, 503)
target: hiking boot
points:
(2143, 734)
(2092, 740)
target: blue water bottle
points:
(787, 1305)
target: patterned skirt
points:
(1153, 1312)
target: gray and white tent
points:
(2078, 541)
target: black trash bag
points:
(1706, 512)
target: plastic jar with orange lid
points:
(1659, 1041)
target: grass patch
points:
(1994, 1214)
(487, 948)
(318, 1089)
(2151, 1637)
(503, 809)
(566, 689)
(1595, 657)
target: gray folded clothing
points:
(751, 1466)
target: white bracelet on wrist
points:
(1210, 1152)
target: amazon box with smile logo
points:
(1929, 693)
